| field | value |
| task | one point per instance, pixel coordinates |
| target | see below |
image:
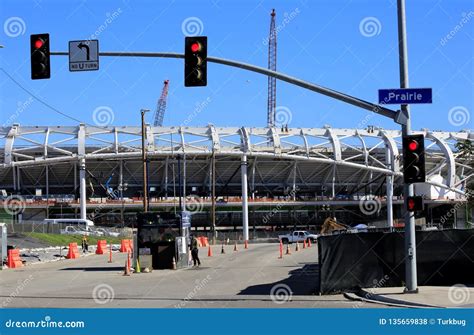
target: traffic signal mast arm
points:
(397, 116)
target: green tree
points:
(465, 150)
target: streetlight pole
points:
(144, 163)
(408, 190)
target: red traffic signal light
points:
(414, 159)
(414, 204)
(413, 145)
(40, 56)
(195, 61)
(195, 47)
(39, 43)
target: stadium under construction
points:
(293, 177)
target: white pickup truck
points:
(298, 236)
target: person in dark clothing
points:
(195, 251)
(85, 245)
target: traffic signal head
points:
(40, 56)
(414, 159)
(414, 204)
(195, 61)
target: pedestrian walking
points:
(195, 251)
(85, 244)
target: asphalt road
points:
(247, 278)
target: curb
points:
(362, 295)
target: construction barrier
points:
(13, 259)
(377, 259)
(73, 251)
(204, 241)
(101, 247)
(126, 246)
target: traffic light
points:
(195, 61)
(414, 204)
(414, 159)
(40, 57)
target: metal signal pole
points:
(408, 190)
(144, 162)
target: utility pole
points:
(408, 190)
(144, 162)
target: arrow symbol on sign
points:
(81, 46)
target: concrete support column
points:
(389, 194)
(389, 190)
(47, 190)
(245, 207)
(82, 188)
(121, 193)
(333, 184)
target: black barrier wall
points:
(352, 261)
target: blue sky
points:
(324, 42)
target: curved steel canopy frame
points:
(35, 145)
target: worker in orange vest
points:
(85, 245)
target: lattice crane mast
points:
(161, 106)
(272, 60)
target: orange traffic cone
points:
(281, 250)
(246, 245)
(297, 246)
(304, 244)
(235, 246)
(126, 271)
(288, 252)
(309, 243)
(209, 251)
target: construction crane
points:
(272, 59)
(161, 106)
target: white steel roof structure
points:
(372, 149)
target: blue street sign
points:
(405, 96)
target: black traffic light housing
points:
(414, 159)
(414, 204)
(195, 61)
(40, 56)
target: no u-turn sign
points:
(83, 55)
